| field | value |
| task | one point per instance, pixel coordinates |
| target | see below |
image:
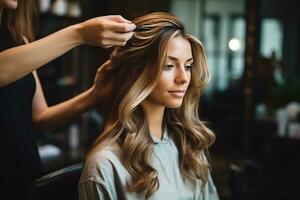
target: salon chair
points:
(61, 184)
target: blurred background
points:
(251, 103)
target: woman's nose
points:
(181, 76)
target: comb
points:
(141, 29)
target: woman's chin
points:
(175, 104)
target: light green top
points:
(104, 176)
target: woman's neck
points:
(155, 115)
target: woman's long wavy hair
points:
(20, 22)
(136, 68)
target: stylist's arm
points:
(105, 32)
(47, 118)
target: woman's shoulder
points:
(109, 153)
(100, 163)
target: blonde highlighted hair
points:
(136, 68)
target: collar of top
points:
(164, 139)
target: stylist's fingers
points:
(101, 72)
(120, 27)
(118, 18)
(118, 37)
(113, 43)
(102, 82)
(105, 31)
(102, 76)
(104, 66)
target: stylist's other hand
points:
(106, 31)
(103, 82)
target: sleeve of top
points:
(209, 192)
(211, 188)
(92, 190)
(99, 184)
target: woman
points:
(23, 109)
(153, 143)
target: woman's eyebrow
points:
(176, 59)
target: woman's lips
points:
(177, 93)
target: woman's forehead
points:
(179, 48)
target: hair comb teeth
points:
(141, 28)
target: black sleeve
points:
(5, 40)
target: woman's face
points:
(176, 75)
(11, 4)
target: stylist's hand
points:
(106, 31)
(102, 83)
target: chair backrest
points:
(61, 184)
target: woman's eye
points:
(188, 67)
(168, 67)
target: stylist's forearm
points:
(61, 114)
(19, 61)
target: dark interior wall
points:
(288, 12)
(279, 8)
(127, 8)
(135, 8)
